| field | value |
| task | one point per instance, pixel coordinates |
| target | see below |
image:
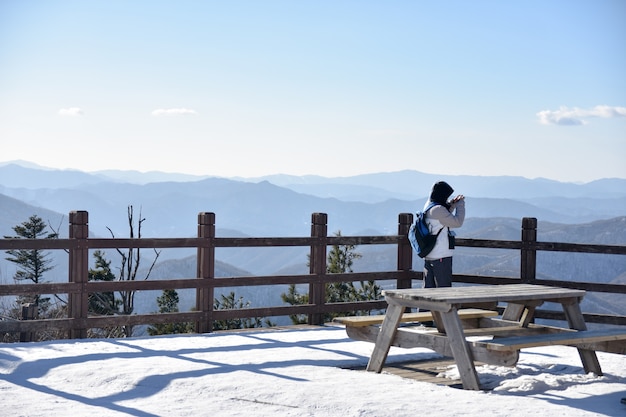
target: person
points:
(444, 215)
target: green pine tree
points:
(102, 303)
(229, 302)
(32, 264)
(294, 298)
(168, 303)
(340, 260)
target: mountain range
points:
(281, 205)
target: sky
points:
(287, 373)
(333, 88)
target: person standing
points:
(444, 215)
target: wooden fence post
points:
(405, 252)
(78, 303)
(29, 312)
(206, 270)
(317, 265)
(528, 267)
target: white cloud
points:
(576, 116)
(71, 112)
(175, 112)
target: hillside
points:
(285, 261)
(282, 205)
(278, 206)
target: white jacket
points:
(438, 218)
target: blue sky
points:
(333, 88)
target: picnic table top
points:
(484, 293)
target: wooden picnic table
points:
(521, 301)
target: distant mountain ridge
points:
(405, 184)
(362, 205)
(282, 205)
(21, 174)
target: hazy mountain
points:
(136, 177)
(406, 184)
(28, 175)
(145, 301)
(180, 263)
(256, 209)
(15, 212)
(253, 208)
(411, 184)
(18, 176)
(353, 203)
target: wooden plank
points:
(425, 371)
(439, 321)
(514, 330)
(609, 346)
(576, 321)
(359, 321)
(411, 338)
(460, 350)
(385, 337)
(484, 293)
(513, 312)
(422, 370)
(564, 338)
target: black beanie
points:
(440, 193)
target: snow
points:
(285, 372)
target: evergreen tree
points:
(102, 303)
(228, 302)
(340, 260)
(293, 297)
(32, 264)
(168, 303)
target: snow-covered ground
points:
(289, 372)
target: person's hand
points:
(458, 198)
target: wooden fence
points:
(78, 287)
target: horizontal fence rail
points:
(78, 287)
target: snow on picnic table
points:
(285, 372)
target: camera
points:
(451, 239)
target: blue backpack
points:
(421, 240)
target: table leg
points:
(385, 337)
(460, 349)
(522, 313)
(513, 312)
(577, 321)
(438, 321)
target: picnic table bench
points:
(495, 341)
(420, 317)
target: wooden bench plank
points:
(411, 338)
(609, 346)
(565, 338)
(360, 321)
(512, 329)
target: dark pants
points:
(438, 273)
